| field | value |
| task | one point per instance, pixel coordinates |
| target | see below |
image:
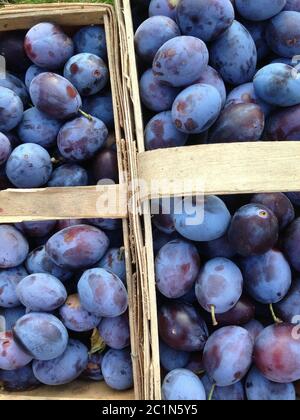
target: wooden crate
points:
(80, 202)
(235, 168)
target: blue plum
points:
(100, 106)
(16, 85)
(91, 39)
(152, 34)
(294, 197)
(258, 10)
(254, 328)
(114, 261)
(234, 55)
(180, 61)
(245, 94)
(48, 46)
(11, 316)
(5, 148)
(183, 385)
(41, 292)
(227, 355)
(42, 335)
(176, 267)
(282, 34)
(65, 368)
(254, 230)
(291, 244)
(258, 32)
(80, 139)
(160, 132)
(209, 220)
(293, 5)
(289, 308)
(14, 247)
(238, 123)
(259, 388)
(155, 95)
(283, 125)
(205, 20)
(12, 356)
(217, 248)
(38, 127)
(29, 166)
(31, 73)
(77, 247)
(163, 8)
(87, 72)
(106, 224)
(115, 332)
(196, 108)
(228, 393)
(102, 293)
(162, 215)
(11, 109)
(75, 318)
(55, 96)
(211, 77)
(9, 279)
(69, 175)
(219, 285)
(117, 369)
(18, 380)
(171, 359)
(278, 85)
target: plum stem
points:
(213, 316)
(212, 391)
(88, 116)
(276, 320)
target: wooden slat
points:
(77, 390)
(63, 203)
(223, 168)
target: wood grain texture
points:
(234, 168)
(77, 390)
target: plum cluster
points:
(63, 304)
(56, 108)
(218, 71)
(228, 286)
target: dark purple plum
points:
(100, 106)
(283, 125)
(258, 32)
(87, 72)
(162, 215)
(234, 55)
(181, 327)
(69, 175)
(196, 108)
(12, 48)
(171, 359)
(29, 166)
(54, 95)
(82, 138)
(48, 46)
(156, 96)
(11, 316)
(5, 148)
(277, 353)
(105, 166)
(217, 248)
(280, 205)
(238, 123)
(294, 197)
(114, 261)
(160, 132)
(9, 279)
(106, 224)
(31, 73)
(258, 10)
(117, 369)
(183, 385)
(17, 86)
(254, 328)
(11, 355)
(243, 312)
(18, 380)
(75, 318)
(293, 5)
(205, 20)
(91, 39)
(14, 247)
(115, 332)
(278, 84)
(208, 222)
(253, 230)
(152, 34)
(227, 355)
(289, 308)
(177, 266)
(282, 34)
(93, 371)
(102, 293)
(163, 8)
(65, 368)
(77, 247)
(196, 364)
(42, 335)
(245, 94)
(228, 393)
(38, 127)
(11, 109)
(291, 244)
(180, 61)
(160, 239)
(211, 77)
(36, 229)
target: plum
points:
(282, 34)
(12, 356)
(115, 332)
(283, 125)
(9, 280)
(117, 369)
(181, 385)
(18, 380)
(258, 10)
(14, 247)
(211, 77)
(245, 94)
(93, 371)
(291, 244)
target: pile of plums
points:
(218, 71)
(228, 285)
(63, 304)
(56, 108)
